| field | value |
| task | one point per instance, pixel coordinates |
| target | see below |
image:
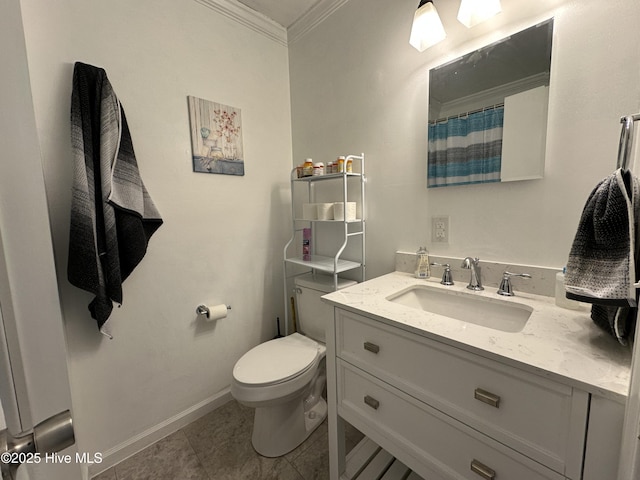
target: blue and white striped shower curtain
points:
(466, 150)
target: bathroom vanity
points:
(520, 389)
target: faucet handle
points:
(446, 274)
(505, 285)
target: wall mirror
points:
(488, 112)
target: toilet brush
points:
(279, 335)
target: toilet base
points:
(279, 429)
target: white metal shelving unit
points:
(352, 230)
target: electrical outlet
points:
(440, 229)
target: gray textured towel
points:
(602, 263)
(112, 214)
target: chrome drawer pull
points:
(482, 470)
(487, 397)
(372, 402)
(372, 347)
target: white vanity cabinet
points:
(450, 414)
(604, 439)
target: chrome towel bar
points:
(626, 140)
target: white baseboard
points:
(120, 452)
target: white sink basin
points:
(467, 307)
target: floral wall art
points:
(216, 137)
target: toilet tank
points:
(313, 313)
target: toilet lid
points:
(276, 361)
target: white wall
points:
(357, 85)
(223, 235)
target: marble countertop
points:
(560, 344)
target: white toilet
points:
(283, 379)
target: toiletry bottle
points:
(561, 297)
(306, 244)
(307, 168)
(422, 263)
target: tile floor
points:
(218, 447)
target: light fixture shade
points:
(427, 29)
(473, 12)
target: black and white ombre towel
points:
(112, 214)
(602, 263)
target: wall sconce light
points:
(427, 29)
(473, 12)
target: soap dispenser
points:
(422, 263)
(561, 297)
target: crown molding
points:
(249, 18)
(311, 19)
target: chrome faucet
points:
(475, 282)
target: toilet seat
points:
(277, 361)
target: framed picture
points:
(216, 137)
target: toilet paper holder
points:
(204, 310)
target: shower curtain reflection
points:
(466, 149)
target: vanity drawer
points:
(428, 441)
(538, 417)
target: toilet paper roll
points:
(309, 211)
(338, 211)
(216, 312)
(325, 211)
